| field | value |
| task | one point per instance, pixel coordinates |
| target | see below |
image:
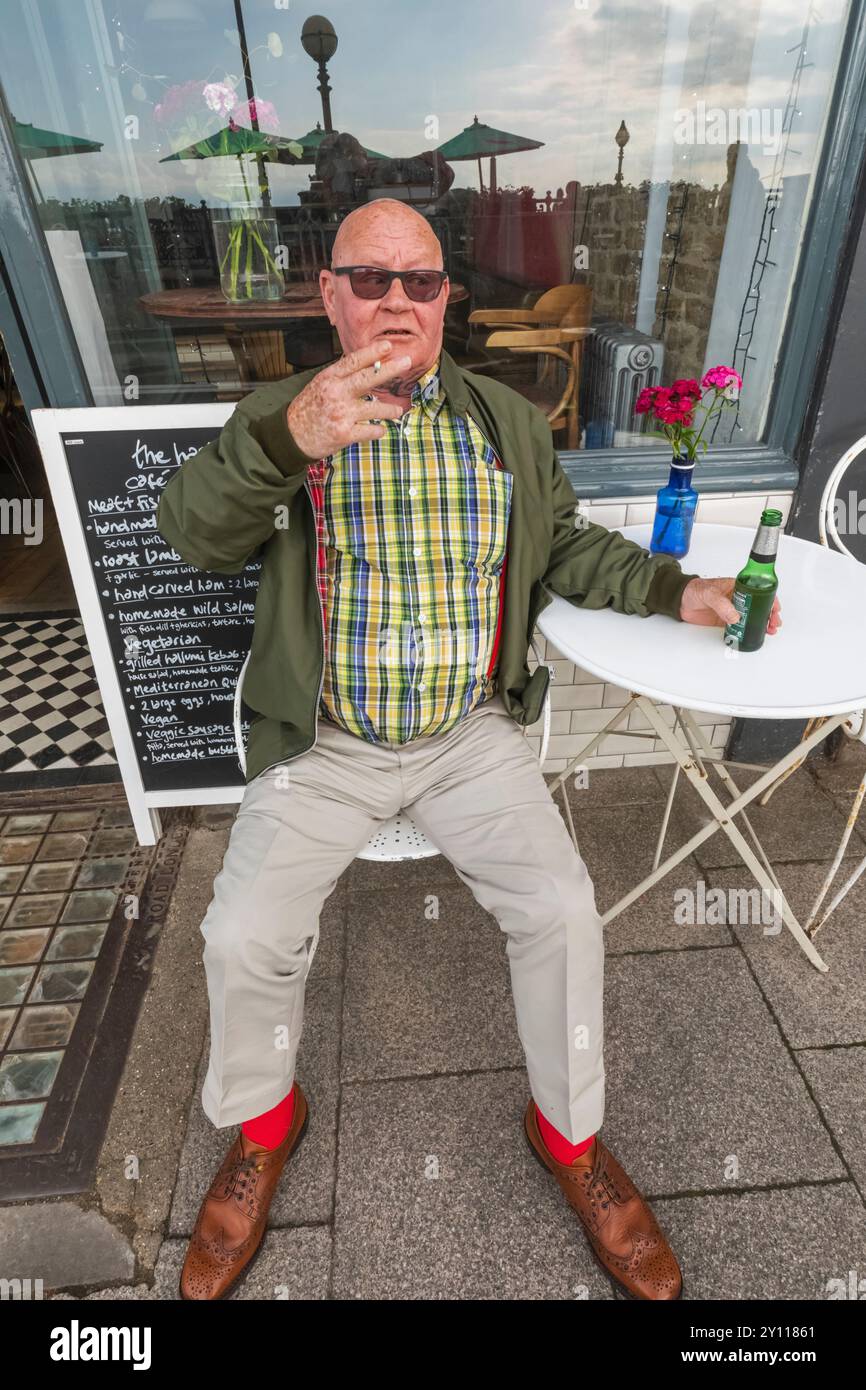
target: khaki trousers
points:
(477, 792)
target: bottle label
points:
(734, 631)
(766, 543)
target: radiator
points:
(618, 363)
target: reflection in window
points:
(632, 180)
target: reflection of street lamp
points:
(622, 138)
(319, 40)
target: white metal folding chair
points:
(398, 838)
(855, 726)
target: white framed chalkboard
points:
(167, 640)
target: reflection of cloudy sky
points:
(540, 68)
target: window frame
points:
(33, 314)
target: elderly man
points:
(411, 518)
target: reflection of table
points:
(254, 329)
(814, 665)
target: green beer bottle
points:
(756, 587)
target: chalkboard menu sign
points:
(178, 635)
(168, 640)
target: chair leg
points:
(843, 891)
(831, 873)
(668, 807)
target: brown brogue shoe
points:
(622, 1232)
(233, 1216)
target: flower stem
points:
(270, 263)
(708, 412)
(249, 264)
(236, 251)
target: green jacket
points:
(231, 499)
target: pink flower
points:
(176, 99)
(263, 111)
(725, 380)
(675, 406)
(220, 97)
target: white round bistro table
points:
(815, 665)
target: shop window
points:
(633, 179)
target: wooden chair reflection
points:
(553, 349)
(565, 309)
(546, 312)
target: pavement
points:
(736, 1084)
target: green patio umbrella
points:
(35, 143)
(313, 139)
(246, 254)
(478, 141)
(236, 141)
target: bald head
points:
(390, 236)
(370, 233)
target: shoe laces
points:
(603, 1186)
(243, 1174)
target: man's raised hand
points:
(332, 411)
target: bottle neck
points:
(681, 475)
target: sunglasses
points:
(372, 282)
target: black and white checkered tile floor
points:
(51, 715)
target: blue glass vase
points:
(676, 503)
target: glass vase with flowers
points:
(675, 407)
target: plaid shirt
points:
(412, 531)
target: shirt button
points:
(413, 492)
(422, 686)
(422, 617)
(417, 550)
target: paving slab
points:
(841, 774)
(837, 1076)
(425, 993)
(440, 1197)
(699, 1081)
(62, 1244)
(813, 1008)
(138, 1160)
(790, 1243)
(617, 844)
(611, 786)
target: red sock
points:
(272, 1127)
(557, 1144)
